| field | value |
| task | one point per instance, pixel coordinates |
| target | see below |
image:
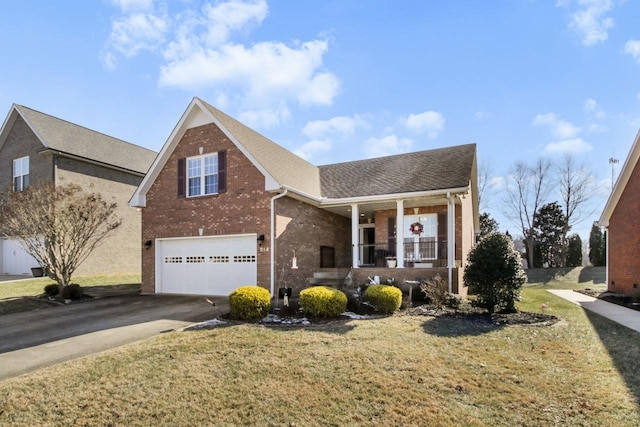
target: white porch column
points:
(451, 238)
(355, 235)
(400, 233)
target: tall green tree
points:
(526, 191)
(549, 230)
(574, 251)
(488, 225)
(597, 247)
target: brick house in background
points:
(36, 147)
(622, 223)
(223, 206)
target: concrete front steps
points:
(334, 277)
(581, 275)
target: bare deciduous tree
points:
(576, 187)
(484, 184)
(527, 188)
(59, 226)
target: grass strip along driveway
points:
(21, 295)
(398, 370)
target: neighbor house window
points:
(202, 175)
(20, 173)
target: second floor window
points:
(20, 173)
(202, 175)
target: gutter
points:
(324, 202)
(327, 202)
(91, 161)
(272, 239)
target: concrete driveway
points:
(36, 339)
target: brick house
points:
(36, 148)
(622, 223)
(223, 206)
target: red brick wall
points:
(303, 228)
(624, 240)
(244, 208)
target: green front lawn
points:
(398, 370)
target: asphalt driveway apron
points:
(36, 339)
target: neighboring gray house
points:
(36, 147)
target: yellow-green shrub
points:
(249, 302)
(322, 301)
(384, 298)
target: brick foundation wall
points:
(624, 240)
(244, 208)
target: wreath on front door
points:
(416, 228)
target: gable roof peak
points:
(69, 138)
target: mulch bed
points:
(472, 314)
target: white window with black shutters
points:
(202, 175)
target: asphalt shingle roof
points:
(436, 169)
(60, 135)
(284, 166)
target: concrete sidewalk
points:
(622, 315)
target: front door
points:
(367, 244)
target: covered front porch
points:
(417, 234)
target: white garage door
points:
(206, 265)
(16, 260)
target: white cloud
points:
(132, 5)
(340, 125)
(590, 20)
(481, 115)
(559, 128)
(574, 146)
(388, 145)
(498, 183)
(264, 71)
(199, 52)
(590, 107)
(632, 47)
(223, 18)
(308, 150)
(430, 122)
(133, 33)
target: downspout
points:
(272, 240)
(451, 217)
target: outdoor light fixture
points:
(260, 239)
(148, 244)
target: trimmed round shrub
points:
(51, 290)
(72, 291)
(494, 273)
(322, 301)
(384, 298)
(249, 303)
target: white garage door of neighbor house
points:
(206, 265)
(16, 260)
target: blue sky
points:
(338, 80)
